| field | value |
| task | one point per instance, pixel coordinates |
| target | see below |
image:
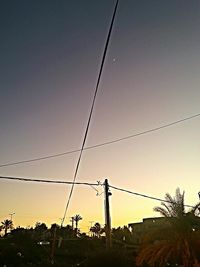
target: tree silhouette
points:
(77, 218)
(96, 229)
(178, 240)
(6, 225)
(53, 226)
(67, 231)
(1, 228)
(40, 231)
(122, 234)
(40, 226)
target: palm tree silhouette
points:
(178, 240)
(96, 229)
(6, 225)
(77, 218)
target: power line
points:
(22, 179)
(92, 108)
(101, 144)
(39, 158)
(143, 195)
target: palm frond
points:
(167, 207)
(178, 240)
(162, 211)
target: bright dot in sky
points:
(114, 59)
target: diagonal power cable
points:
(102, 144)
(92, 108)
(143, 195)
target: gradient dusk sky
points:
(50, 54)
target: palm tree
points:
(178, 240)
(6, 225)
(96, 230)
(77, 218)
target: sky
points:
(50, 55)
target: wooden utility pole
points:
(72, 220)
(107, 215)
(53, 245)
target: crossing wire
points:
(91, 110)
(102, 144)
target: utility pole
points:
(90, 227)
(11, 215)
(72, 220)
(107, 215)
(53, 245)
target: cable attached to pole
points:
(23, 179)
(143, 195)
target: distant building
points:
(148, 225)
(139, 230)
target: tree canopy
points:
(176, 241)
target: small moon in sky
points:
(114, 59)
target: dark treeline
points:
(171, 240)
(62, 246)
